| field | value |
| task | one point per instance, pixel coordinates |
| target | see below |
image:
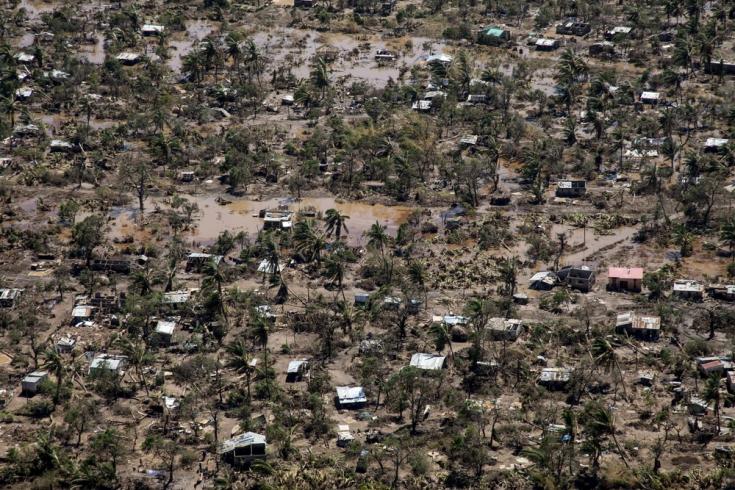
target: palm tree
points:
(479, 310)
(303, 95)
(137, 355)
(309, 243)
(142, 281)
(348, 316)
(712, 393)
(214, 278)
(377, 237)
(212, 55)
(234, 50)
(55, 363)
(335, 270)
(417, 275)
(442, 337)
(727, 235)
(241, 360)
(253, 60)
(508, 271)
(683, 238)
(271, 256)
(335, 223)
(604, 354)
(260, 330)
(600, 423)
(10, 107)
(320, 77)
(193, 63)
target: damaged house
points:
(639, 326)
(428, 362)
(555, 378)
(581, 277)
(504, 329)
(687, 289)
(571, 188)
(196, 261)
(243, 449)
(351, 397)
(9, 297)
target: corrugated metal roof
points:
(243, 440)
(165, 327)
(431, 362)
(351, 394)
(294, 366)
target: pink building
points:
(625, 279)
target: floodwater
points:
(182, 44)
(355, 54)
(95, 52)
(34, 9)
(242, 215)
(297, 48)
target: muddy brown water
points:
(34, 9)
(242, 215)
(94, 53)
(356, 53)
(297, 48)
(183, 43)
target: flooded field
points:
(94, 52)
(298, 48)
(182, 43)
(242, 215)
(354, 55)
(34, 8)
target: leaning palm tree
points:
(241, 360)
(55, 363)
(335, 223)
(600, 423)
(604, 354)
(137, 355)
(442, 337)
